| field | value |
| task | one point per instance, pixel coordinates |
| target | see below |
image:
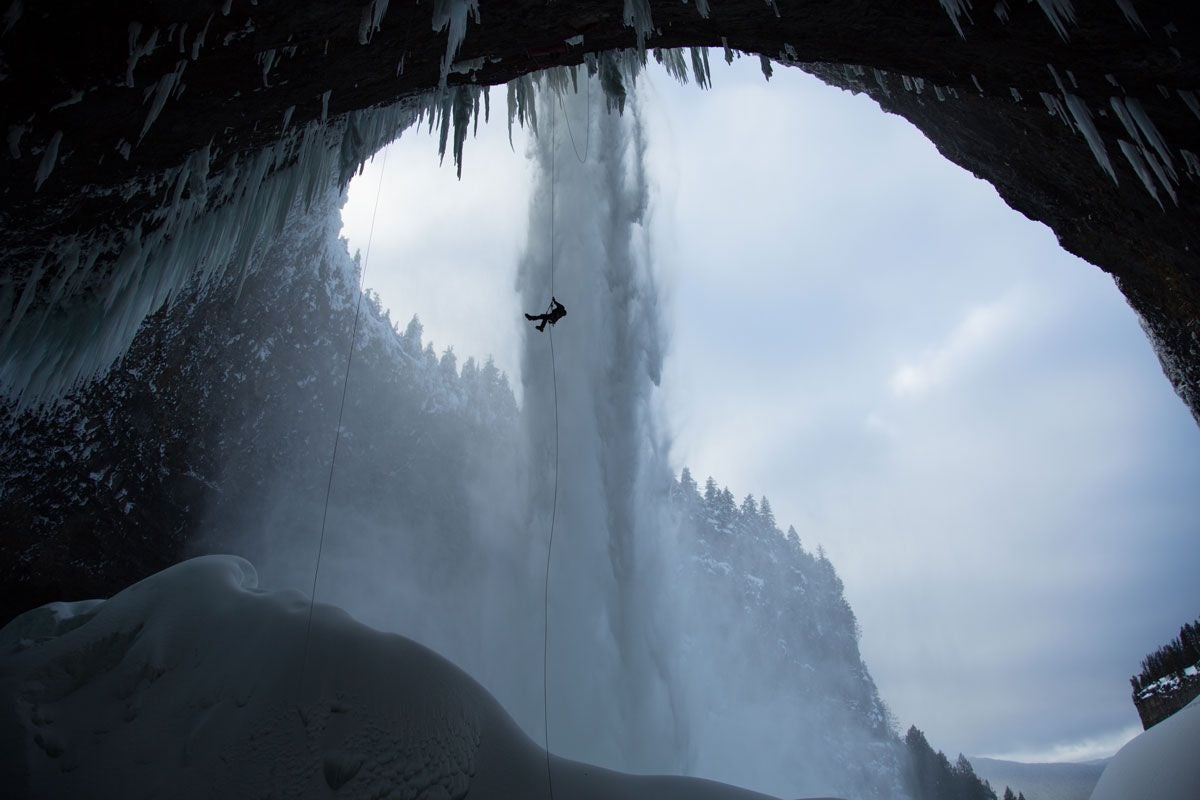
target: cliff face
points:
(147, 143)
(1164, 698)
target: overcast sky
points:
(969, 419)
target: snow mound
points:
(192, 683)
(1159, 763)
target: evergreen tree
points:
(768, 516)
(749, 509)
(1008, 794)
(687, 484)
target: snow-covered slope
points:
(1160, 763)
(192, 683)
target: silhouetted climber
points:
(557, 312)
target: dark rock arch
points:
(103, 104)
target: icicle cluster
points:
(55, 333)
(1059, 13)
(210, 223)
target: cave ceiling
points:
(132, 126)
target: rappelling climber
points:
(557, 312)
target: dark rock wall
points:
(1164, 700)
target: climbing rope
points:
(554, 504)
(341, 410)
(587, 142)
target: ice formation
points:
(451, 16)
(372, 18)
(956, 9)
(215, 220)
(1060, 13)
(217, 211)
(194, 683)
(1131, 14)
(49, 159)
(1146, 148)
(159, 94)
(1083, 120)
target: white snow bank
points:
(1160, 763)
(190, 684)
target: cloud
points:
(984, 327)
(969, 419)
(1087, 749)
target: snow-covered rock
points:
(1160, 763)
(196, 683)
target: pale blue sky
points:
(969, 419)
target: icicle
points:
(955, 9)
(728, 51)
(451, 16)
(372, 17)
(1190, 100)
(162, 91)
(17, 7)
(637, 16)
(700, 67)
(76, 97)
(287, 119)
(975, 81)
(325, 105)
(198, 42)
(267, 59)
(1131, 14)
(1151, 133)
(702, 8)
(673, 62)
(881, 79)
(1001, 10)
(1083, 119)
(1191, 162)
(1133, 155)
(1016, 95)
(1056, 109)
(765, 63)
(1118, 107)
(136, 51)
(1060, 13)
(1166, 181)
(15, 132)
(49, 159)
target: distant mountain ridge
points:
(1061, 781)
